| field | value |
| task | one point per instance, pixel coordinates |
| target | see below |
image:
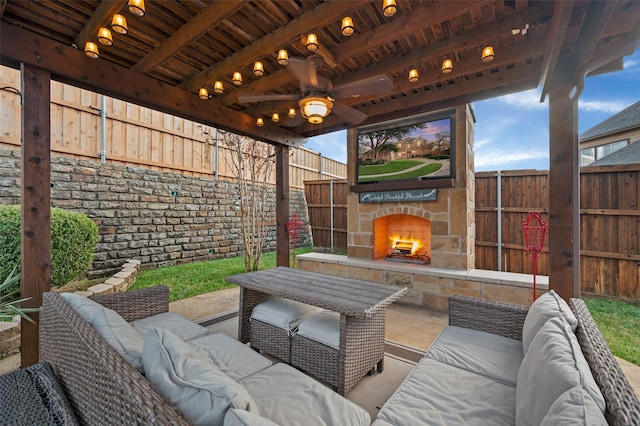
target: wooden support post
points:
(282, 205)
(36, 195)
(564, 192)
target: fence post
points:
(331, 210)
(499, 216)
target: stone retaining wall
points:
(159, 218)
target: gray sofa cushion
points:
(436, 393)
(231, 357)
(547, 306)
(575, 407)
(237, 417)
(190, 381)
(111, 326)
(493, 356)
(553, 365)
(177, 324)
(289, 398)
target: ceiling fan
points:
(318, 97)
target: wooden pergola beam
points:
(192, 30)
(317, 18)
(71, 66)
(103, 13)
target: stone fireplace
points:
(402, 238)
(444, 226)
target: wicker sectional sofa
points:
(203, 379)
(504, 364)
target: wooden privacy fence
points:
(610, 222)
(87, 125)
(327, 207)
(609, 225)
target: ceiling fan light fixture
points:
(91, 50)
(312, 42)
(104, 36)
(203, 93)
(315, 109)
(447, 66)
(487, 54)
(389, 8)
(283, 57)
(258, 69)
(347, 26)
(237, 78)
(119, 24)
(275, 117)
(413, 75)
(218, 87)
(259, 122)
(292, 112)
(136, 7)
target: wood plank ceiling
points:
(189, 44)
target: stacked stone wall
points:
(159, 218)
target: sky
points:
(512, 132)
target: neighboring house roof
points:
(630, 154)
(625, 119)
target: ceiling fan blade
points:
(369, 86)
(267, 98)
(304, 71)
(353, 116)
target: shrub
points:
(366, 162)
(73, 239)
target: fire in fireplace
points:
(407, 249)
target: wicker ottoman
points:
(315, 346)
(273, 322)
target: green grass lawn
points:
(427, 169)
(619, 323)
(390, 167)
(191, 279)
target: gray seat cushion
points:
(547, 306)
(575, 407)
(111, 326)
(237, 417)
(289, 398)
(493, 356)
(436, 393)
(553, 365)
(177, 324)
(323, 327)
(231, 357)
(283, 313)
(190, 381)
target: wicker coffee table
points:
(361, 304)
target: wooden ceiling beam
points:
(318, 17)
(264, 84)
(72, 66)
(594, 24)
(402, 25)
(559, 24)
(103, 13)
(610, 52)
(202, 23)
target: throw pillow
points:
(547, 306)
(190, 381)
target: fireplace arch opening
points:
(403, 238)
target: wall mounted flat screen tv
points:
(415, 149)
